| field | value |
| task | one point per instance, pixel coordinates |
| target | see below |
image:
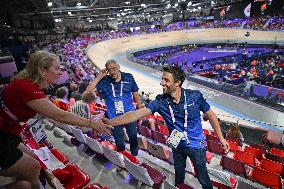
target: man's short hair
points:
(110, 61)
(177, 72)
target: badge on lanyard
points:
(176, 136)
(119, 109)
(118, 104)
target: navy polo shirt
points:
(195, 103)
(129, 86)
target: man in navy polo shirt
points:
(181, 110)
(118, 90)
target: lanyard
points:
(185, 112)
(113, 91)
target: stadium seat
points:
(158, 151)
(233, 145)
(256, 152)
(145, 173)
(234, 166)
(72, 177)
(164, 129)
(160, 137)
(112, 155)
(272, 166)
(59, 155)
(261, 147)
(79, 135)
(95, 186)
(266, 178)
(167, 185)
(215, 147)
(146, 132)
(277, 152)
(142, 143)
(245, 157)
(95, 145)
(274, 158)
(205, 132)
(160, 120)
(212, 138)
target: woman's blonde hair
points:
(38, 62)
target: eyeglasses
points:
(112, 69)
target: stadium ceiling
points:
(49, 11)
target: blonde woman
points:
(22, 99)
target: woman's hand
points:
(101, 127)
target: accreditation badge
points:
(119, 108)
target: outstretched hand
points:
(225, 145)
(102, 128)
(106, 121)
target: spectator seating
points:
(266, 178)
(95, 145)
(146, 132)
(233, 145)
(79, 135)
(245, 157)
(145, 173)
(160, 137)
(59, 155)
(167, 185)
(95, 186)
(111, 153)
(261, 147)
(158, 151)
(256, 152)
(235, 166)
(72, 177)
(142, 143)
(272, 166)
(277, 152)
(215, 147)
(274, 158)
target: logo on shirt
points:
(190, 104)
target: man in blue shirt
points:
(180, 109)
(118, 90)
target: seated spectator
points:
(273, 137)
(235, 134)
(25, 98)
(61, 100)
(82, 108)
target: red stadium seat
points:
(261, 147)
(160, 137)
(245, 157)
(212, 138)
(72, 177)
(277, 152)
(266, 178)
(256, 152)
(59, 155)
(205, 132)
(274, 158)
(164, 129)
(145, 131)
(234, 166)
(233, 145)
(215, 147)
(272, 166)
